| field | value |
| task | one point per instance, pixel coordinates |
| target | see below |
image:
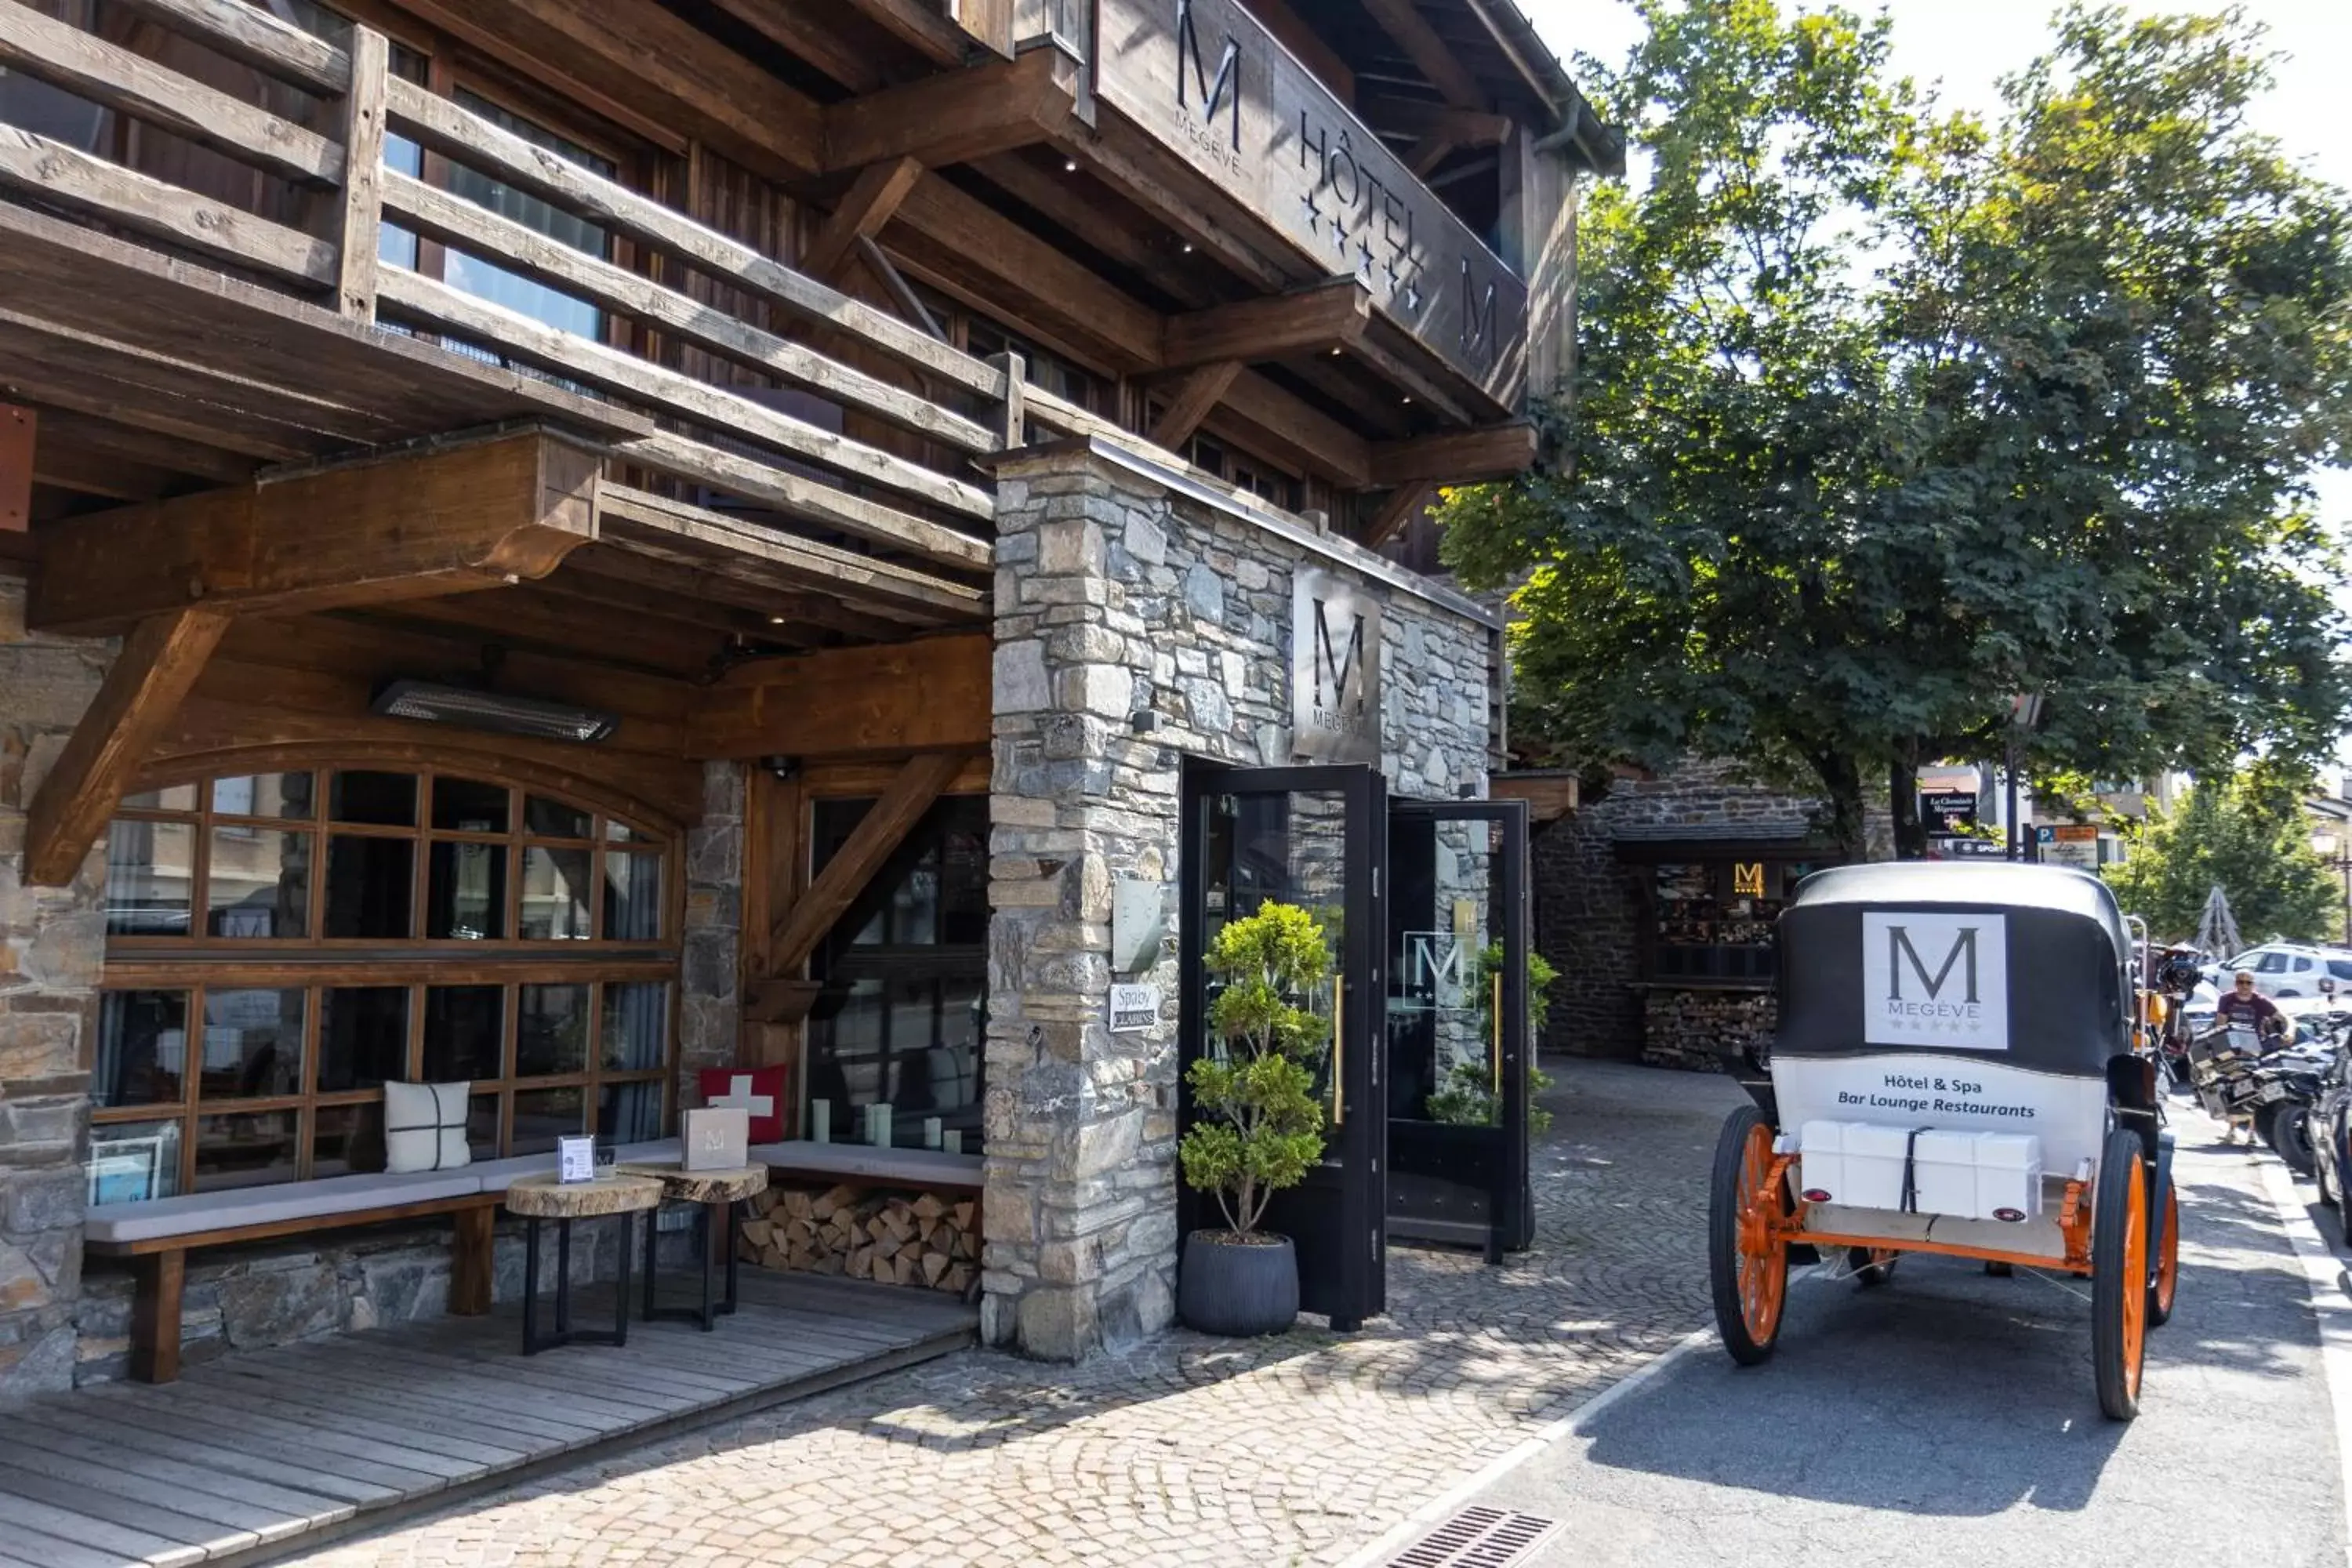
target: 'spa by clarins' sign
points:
(1335, 669)
(1205, 78)
(1936, 979)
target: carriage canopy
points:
(2024, 966)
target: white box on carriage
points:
(1859, 1163)
(2009, 1176)
(1977, 1176)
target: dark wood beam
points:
(106, 440)
(441, 521)
(801, 31)
(1313, 319)
(1292, 31)
(1417, 118)
(799, 612)
(1195, 397)
(958, 116)
(1425, 155)
(1457, 457)
(159, 661)
(871, 843)
(872, 200)
(925, 696)
(19, 433)
(1285, 430)
(1404, 504)
(1404, 22)
(920, 26)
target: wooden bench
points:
(158, 1234)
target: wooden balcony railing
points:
(714, 435)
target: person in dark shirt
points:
(2245, 1007)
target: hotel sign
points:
(1206, 80)
(1335, 671)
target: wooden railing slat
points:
(69, 177)
(359, 223)
(252, 36)
(433, 302)
(449, 129)
(88, 66)
(451, 218)
(751, 480)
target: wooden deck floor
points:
(251, 1455)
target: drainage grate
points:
(1478, 1538)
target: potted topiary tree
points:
(1260, 1125)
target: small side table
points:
(538, 1197)
(720, 1192)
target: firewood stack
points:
(892, 1238)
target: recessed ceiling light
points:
(1408, 397)
(1069, 165)
(779, 620)
(1188, 247)
(1335, 354)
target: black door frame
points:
(1343, 1265)
(1510, 1213)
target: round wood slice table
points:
(542, 1196)
(718, 1192)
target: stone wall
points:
(711, 1006)
(52, 943)
(1116, 596)
(1585, 912)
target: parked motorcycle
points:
(2331, 1140)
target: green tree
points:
(1884, 415)
(2245, 833)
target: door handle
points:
(1339, 1054)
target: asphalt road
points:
(1950, 1417)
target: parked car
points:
(2287, 968)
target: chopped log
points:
(935, 1268)
(962, 1215)
(759, 1230)
(929, 1206)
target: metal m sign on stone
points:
(1335, 669)
(1936, 979)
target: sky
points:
(1963, 47)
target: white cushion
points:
(425, 1127)
(270, 1204)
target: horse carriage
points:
(1953, 1073)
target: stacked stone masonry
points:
(1116, 597)
(52, 943)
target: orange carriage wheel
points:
(1748, 1256)
(2164, 1283)
(2119, 1275)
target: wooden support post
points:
(18, 429)
(159, 661)
(361, 220)
(1015, 370)
(162, 1278)
(471, 1267)
(1424, 156)
(863, 212)
(877, 836)
(1197, 396)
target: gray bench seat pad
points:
(197, 1212)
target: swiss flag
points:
(758, 1091)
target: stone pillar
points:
(711, 1011)
(52, 943)
(1081, 1173)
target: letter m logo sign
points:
(1336, 662)
(1935, 979)
(1217, 94)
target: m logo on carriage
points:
(1936, 979)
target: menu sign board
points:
(1203, 78)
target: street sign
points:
(2069, 844)
(1948, 810)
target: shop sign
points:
(1133, 1008)
(1737, 880)
(1948, 810)
(1335, 669)
(1434, 974)
(1210, 83)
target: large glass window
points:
(899, 1020)
(364, 925)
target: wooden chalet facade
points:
(505, 519)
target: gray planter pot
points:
(1229, 1287)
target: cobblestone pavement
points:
(1293, 1450)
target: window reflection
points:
(466, 891)
(363, 1036)
(253, 1045)
(554, 894)
(550, 1030)
(149, 878)
(143, 1042)
(258, 883)
(245, 1148)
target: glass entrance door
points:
(1314, 837)
(1458, 1039)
